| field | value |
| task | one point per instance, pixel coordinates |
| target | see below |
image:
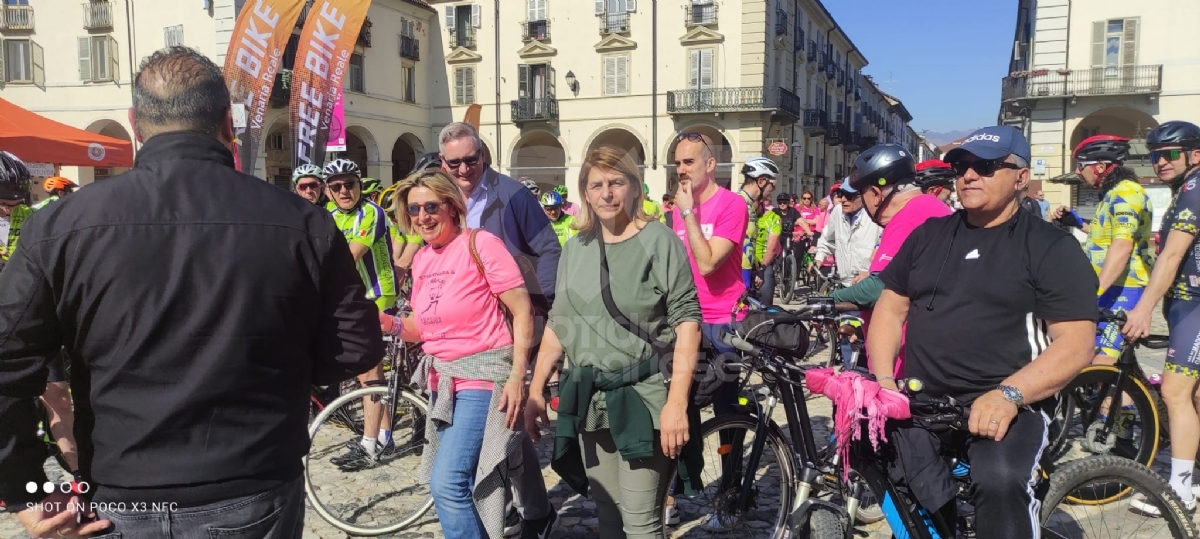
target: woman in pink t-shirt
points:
(473, 365)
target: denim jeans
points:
(274, 514)
(766, 292)
(453, 477)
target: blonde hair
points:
(442, 185)
(610, 158)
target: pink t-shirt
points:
(456, 308)
(914, 214)
(822, 217)
(570, 208)
(724, 216)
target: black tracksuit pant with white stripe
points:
(1003, 474)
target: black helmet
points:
(934, 173)
(1174, 133)
(883, 165)
(427, 161)
(783, 197)
(1107, 148)
(14, 177)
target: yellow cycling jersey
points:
(1123, 214)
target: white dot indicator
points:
(48, 487)
(31, 487)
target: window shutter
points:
(522, 80)
(631, 5)
(470, 89)
(610, 75)
(3, 73)
(706, 68)
(1129, 43)
(551, 77)
(694, 71)
(113, 58)
(599, 7)
(459, 88)
(85, 58)
(476, 12)
(1097, 44)
(622, 85)
(37, 58)
(450, 18)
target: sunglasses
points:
(431, 208)
(984, 167)
(1169, 155)
(805, 198)
(695, 137)
(1082, 165)
(470, 161)
(845, 195)
(348, 184)
(308, 186)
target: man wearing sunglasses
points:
(307, 182)
(850, 237)
(1001, 314)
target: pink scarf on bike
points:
(856, 398)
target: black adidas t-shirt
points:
(998, 288)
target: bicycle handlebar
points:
(1153, 342)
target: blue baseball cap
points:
(847, 187)
(995, 142)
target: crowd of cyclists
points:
(730, 239)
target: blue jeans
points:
(453, 476)
(766, 292)
(273, 514)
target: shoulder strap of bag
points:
(475, 253)
(613, 311)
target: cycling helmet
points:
(426, 162)
(306, 171)
(532, 186)
(834, 188)
(934, 173)
(370, 186)
(881, 166)
(54, 183)
(1107, 148)
(1174, 133)
(14, 177)
(562, 190)
(341, 167)
(757, 167)
(385, 199)
(783, 197)
(645, 189)
(550, 198)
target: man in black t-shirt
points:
(1001, 314)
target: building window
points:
(408, 84)
(464, 85)
(1114, 44)
(535, 81)
(19, 60)
(700, 69)
(173, 36)
(275, 141)
(356, 78)
(616, 75)
(98, 58)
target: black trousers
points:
(1003, 474)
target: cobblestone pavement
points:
(393, 489)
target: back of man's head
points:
(179, 89)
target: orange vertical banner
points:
(254, 57)
(322, 61)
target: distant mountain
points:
(947, 137)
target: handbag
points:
(537, 299)
(705, 381)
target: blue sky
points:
(946, 57)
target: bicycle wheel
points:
(1062, 518)
(713, 511)
(383, 497)
(1076, 422)
(791, 269)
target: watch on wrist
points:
(687, 212)
(1012, 394)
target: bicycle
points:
(1078, 479)
(340, 424)
(1083, 422)
(786, 272)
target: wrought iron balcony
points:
(17, 18)
(614, 23)
(823, 62)
(531, 30)
(700, 15)
(750, 98)
(812, 51)
(781, 25)
(808, 165)
(281, 91)
(830, 68)
(364, 34)
(836, 134)
(799, 38)
(1117, 80)
(853, 143)
(815, 121)
(97, 15)
(534, 109)
(867, 141)
(410, 48)
(838, 170)
(841, 76)
(464, 39)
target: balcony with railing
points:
(841, 77)
(410, 48)
(820, 172)
(751, 98)
(831, 69)
(838, 171)
(815, 121)
(614, 23)
(799, 38)
(808, 165)
(867, 141)
(364, 34)
(17, 17)
(531, 30)
(534, 109)
(97, 15)
(836, 134)
(853, 143)
(464, 37)
(700, 15)
(781, 22)
(1115, 80)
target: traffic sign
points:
(777, 148)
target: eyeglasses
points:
(984, 167)
(845, 195)
(1082, 165)
(308, 186)
(696, 137)
(431, 208)
(470, 161)
(1169, 155)
(805, 198)
(348, 184)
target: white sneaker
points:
(670, 512)
(717, 523)
(1146, 508)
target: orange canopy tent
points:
(37, 139)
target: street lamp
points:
(572, 83)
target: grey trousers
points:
(528, 485)
(274, 514)
(629, 494)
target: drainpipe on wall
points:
(132, 66)
(792, 161)
(654, 84)
(1066, 99)
(498, 151)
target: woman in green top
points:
(631, 457)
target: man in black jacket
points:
(197, 306)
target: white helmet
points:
(756, 167)
(532, 186)
(306, 171)
(340, 167)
